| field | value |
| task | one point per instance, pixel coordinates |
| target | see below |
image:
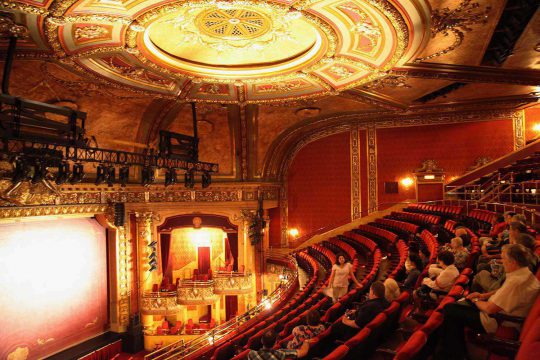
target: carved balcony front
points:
(195, 292)
(160, 303)
(232, 283)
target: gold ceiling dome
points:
(238, 51)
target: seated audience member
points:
(462, 232)
(357, 319)
(267, 353)
(493, 247)
(445, 275)
(515, 297)
(461, 254)
(424, 256)
(499, 225)
(530, 243)
(392, 291)
(302, 333)
(413, 268)
(489, 278)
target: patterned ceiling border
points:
(286, 146)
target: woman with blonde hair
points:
(392, 290)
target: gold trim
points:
(518, 125)
(356, 205)
(52, 210)
(124, 298)
(371, 135)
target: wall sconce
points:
(429, 177)
(406, 182)
(293, 232)
(536, 127)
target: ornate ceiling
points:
(238, 51)
(263, 70)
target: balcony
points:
(231, 283)
(196, 292)
(159, 303)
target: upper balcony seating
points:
(424, 220)
(406, 227)
(376, 232)
(442, 210)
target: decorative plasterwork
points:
(241, 51)
(456, 22)
(123, 275)
(30, 211)
(356, 208)
(371, 135)
(518, 124)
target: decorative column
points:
(145, 237)
(123, 278)
(356, 208)
(372, 167)
(518, 124)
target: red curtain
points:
(232, 240)
(204, 259)
(231, 306)
(165, 240)
(105, 353)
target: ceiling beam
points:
(468, 74)
(378, 100)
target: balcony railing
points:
(181, 350)
(159, 303)
(194, 292)
(231, 283)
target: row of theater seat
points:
(448, 210)
(399, 225)
(376, 232)
(424, 220)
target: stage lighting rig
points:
(148, 175)
(110, 175)
(39, 172)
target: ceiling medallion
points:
(239, 51)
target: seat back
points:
(412, 347)
(532, 317)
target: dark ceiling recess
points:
(442, 92)
(515, 17)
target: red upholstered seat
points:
(530, 345)
(434, 321)
(412, 347)
(361, 336)
(339, 353)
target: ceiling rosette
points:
(238, 51)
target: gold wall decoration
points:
(518, 124)
(31, 211)
(371, 134)
(479, 162)
(356, 207)
(123, 275)
(456, 22)
(391, 81)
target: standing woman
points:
(339, 279)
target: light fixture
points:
(111, 175)
(536, 127)
(21, 171)
(101, 176)
(123, 176)
(62, 175)
(148, 176)
(77, 175)
(189, 179)
(429, 177)
(407, 182)
(206, 180)
(170, 177)
(293, 232)
(40, 171)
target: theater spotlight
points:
(148, 176)
(123, 176)
(189, 179)
(152, 255)
(101, 175)
(153, 262)
(21, 171)
(62, 176)
(206, 179)
(170, 177)
(153, 243)
(152, 268)
(77, 175)
(111, 175)
(40, 170)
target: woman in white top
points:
(339, 279)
